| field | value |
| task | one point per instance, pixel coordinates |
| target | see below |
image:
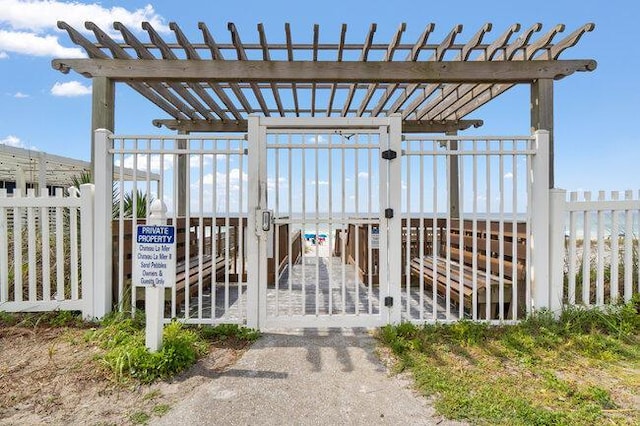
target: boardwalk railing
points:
(46, 249)
(601, 244)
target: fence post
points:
(539, 239)
(254, 245)
(86, 248)
(154, 295)
(394, 230)
(557, 205)
(103, 207)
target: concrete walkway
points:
(307, 377)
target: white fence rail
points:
(45, 251)
(602, 246)
(467, 216)
(203, 181)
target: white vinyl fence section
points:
(602, 244)
(203, 182)
(466, 226)
(46, 251)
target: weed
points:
(226, 331)
(52, 351)
(161, 409)
(152, 395)
(139, 418)
(127, 357)
(57, 319)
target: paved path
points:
(305, 378)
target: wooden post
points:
(454, 179)
(181, 170)
(542, 115)
(102, 111)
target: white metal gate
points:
(203, 182)
(321, 196)
(311, 222)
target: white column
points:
(557, 204)
(395, 224)
(102, 254)
(154, 295)
(253, 242)
(87, 248)
(539, 238)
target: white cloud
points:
(508, 175)
(320, 182)
(282, 183)
(143, 163)
(16, 142)
(12, 141)
(70, 89)
(236, 180)
(20, 95)
(42, 16)
(36, 45)
(29, 27)
(363, 175)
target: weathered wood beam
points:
(325, 71)
(216, 55)
(409, 126)
(266, 56)
(393, 45)
(242, 56)
(343, 34)
(102, 110)
(363, 59)
(453, 92)
(542, 116)
(412, 56)
(437, 56)
(475, 41)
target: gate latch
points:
(388, 301)
(267, 216)
(389, 154)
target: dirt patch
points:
(52, 375)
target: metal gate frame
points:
(390, 131)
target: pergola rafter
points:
(189, 79)
(435, 87)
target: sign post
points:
(154, 268)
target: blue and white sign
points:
(154, 256)
(375, 237)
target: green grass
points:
(55, 319)
(126, 356)
(580, 369)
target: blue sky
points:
(597, 146)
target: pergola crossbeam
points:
(409, 126)
(326, 71)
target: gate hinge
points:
(388, 213)
(389, 154)
(388, 301)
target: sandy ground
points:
(51, 376)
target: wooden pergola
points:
(209, 86)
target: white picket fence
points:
(601, 247)
(46, 249)
(51, 257)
